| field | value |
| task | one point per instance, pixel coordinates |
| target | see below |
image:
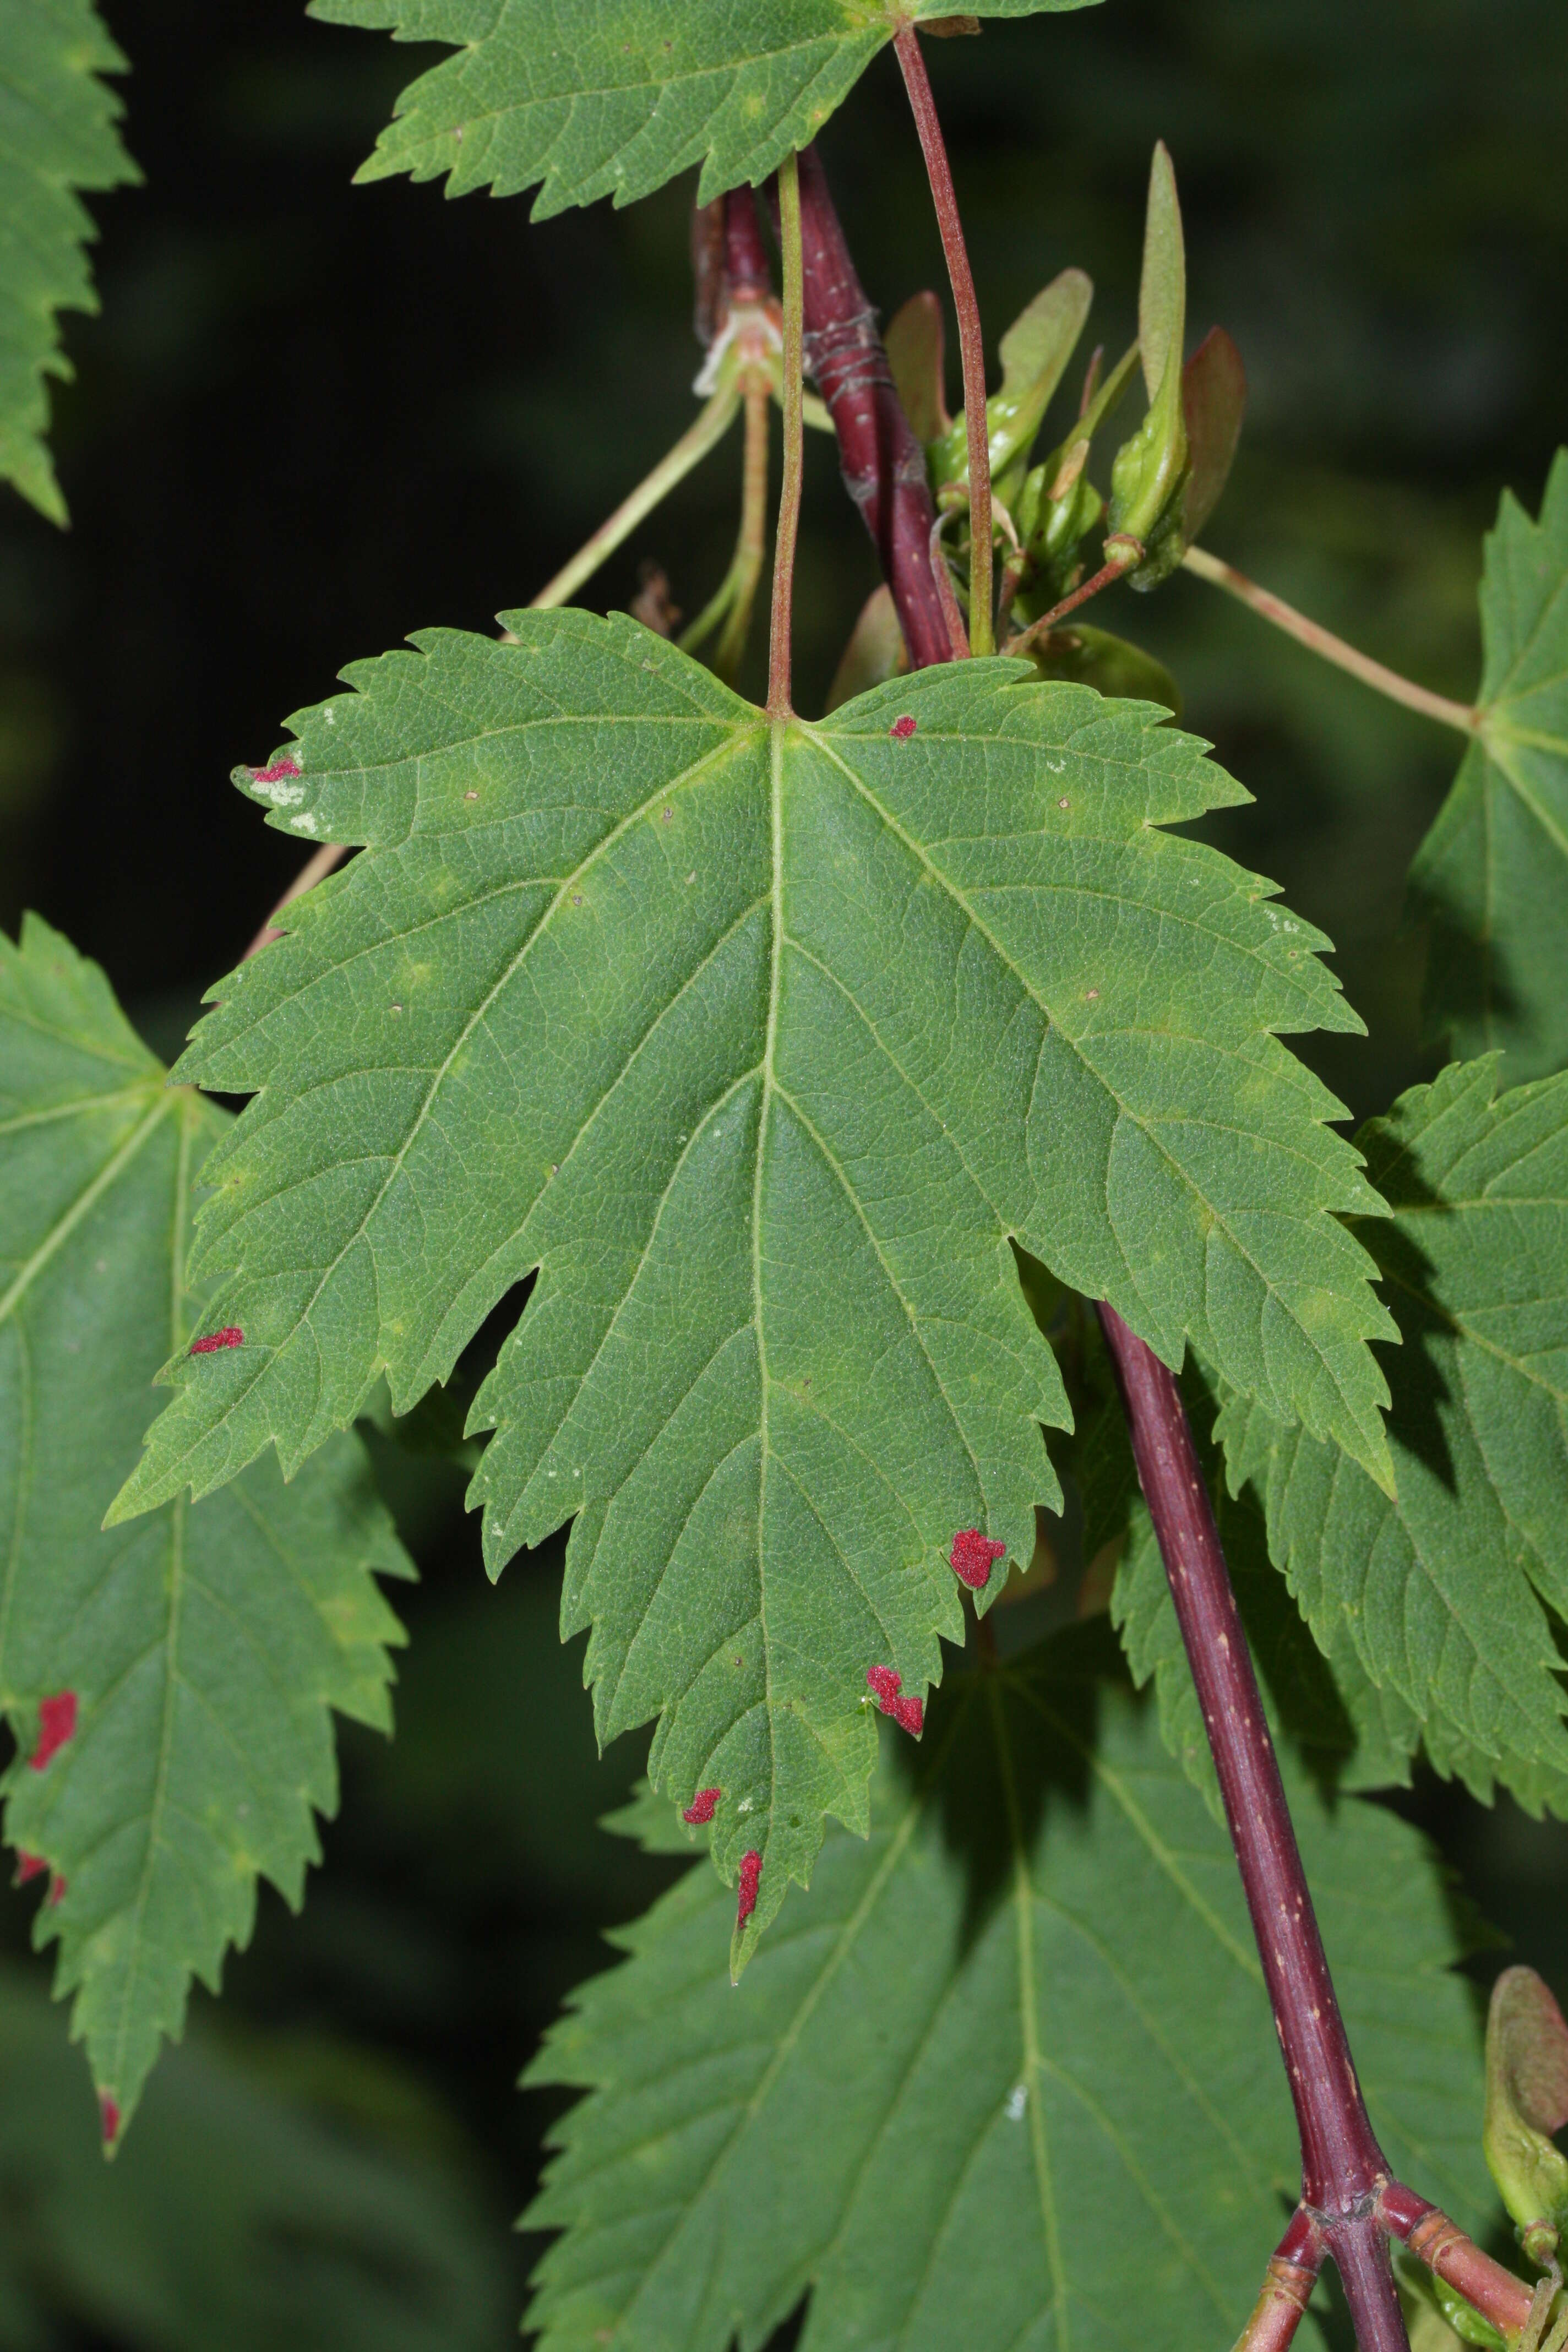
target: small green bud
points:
(1527, 2101)
(1034, 352)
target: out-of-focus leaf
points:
(1092, 656)
(238, 2216)
(1527, 2101)
(58, 135)
(914, 341)
(1492, 876)
(1019, 2030)
(1213, 401)
(875, 653)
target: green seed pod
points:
(1527, 2101)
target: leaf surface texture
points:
(613, 98)
(1492, 876)
(58, 135)
(1031, 2001)
(1445, 1593)
(200, 1649)
(758, 1044)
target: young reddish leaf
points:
(1213, 401)
(57, 1724)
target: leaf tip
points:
(700, 1809)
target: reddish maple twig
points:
(971, 341)
(883, 465)
(1351, 2205)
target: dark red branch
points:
(1343, 2168)
(884, 465)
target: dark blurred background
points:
(312, 417)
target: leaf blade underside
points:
(613, 98)
(202, 1649)
(1441, 1592)
(759, 1044)
(1007, 2017)
(1492, 876)
(59, 136)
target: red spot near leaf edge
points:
(109, 2118)
(29, 1865)
(700, 1809)
(231, 1335)
(908, 1714)
(886, 1685)
(57, 1724)
(972, 1557)
(277, 773)
(56, 1890)
(751, 1872)
(902, 729)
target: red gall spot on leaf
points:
(231, 1335)
(29, 1865)
(971, 1556)
(908, 1714)
(109, 2118)
(902, 729)
(886, 1685)
(751, 1871)
(56, 1889)
(279, 773)
(57, 1724)
(700, 1809)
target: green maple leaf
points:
(58, 135)
(611, 928)
(169, 1683)
(1445, 1593)
(613, 98)
(1006, 2076)
(1492, 876)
